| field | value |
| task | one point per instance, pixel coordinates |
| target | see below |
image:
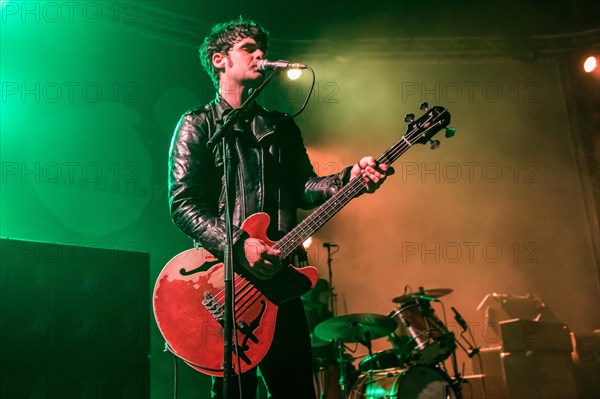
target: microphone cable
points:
(312, 86)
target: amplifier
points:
(539, 375)
(524, 335)
(74, 321)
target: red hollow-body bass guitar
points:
(189, 293)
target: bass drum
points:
(417, 382)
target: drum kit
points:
(411, 369)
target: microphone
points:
(266, 65)
(459, 319)
(328, 245)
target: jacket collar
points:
(260, 122)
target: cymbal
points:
(316, 342)
(432, 293)
(353, 327)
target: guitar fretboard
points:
(420, 131)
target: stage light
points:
(590, 64)
(294, 74)
(307, 243)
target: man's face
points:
(240, 63)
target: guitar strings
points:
(348, 192)
(331, 207)
(246, 295)
(345, 195)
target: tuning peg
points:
(434, 144)
(424, 106)
(409, 118)
(450, 131)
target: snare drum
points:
(433, 343)
(416, 382)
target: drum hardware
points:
(421, 342)
(415, 382)
(321, 376)
(432, 341)
(400, 339)
(429, 295)
(354, 327)
(472, 351)
(458, 379)
(387, 359)
(327, 374)
(359, 327)
(429, 342)
(339, 345)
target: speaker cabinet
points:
(74, 321)
(536, 360)
(488, 381)
(523, 335)
(488, 362)
(539, 375)
(481, 386)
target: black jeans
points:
(287, 367)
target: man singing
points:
(272, 174)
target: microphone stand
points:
(472, 351)
(332, 296)
(224, 134)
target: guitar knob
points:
(409, 118)
(434, 144)
(450, 132)
(424, 106)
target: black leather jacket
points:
(273, 174)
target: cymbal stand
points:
(339, 346)
(322, 380)
(367, 342)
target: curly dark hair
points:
(225, 35)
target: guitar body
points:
(189, 298)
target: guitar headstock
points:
(428, 125)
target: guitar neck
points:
(334, 204)
(418, 132)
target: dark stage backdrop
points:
(88, 109)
